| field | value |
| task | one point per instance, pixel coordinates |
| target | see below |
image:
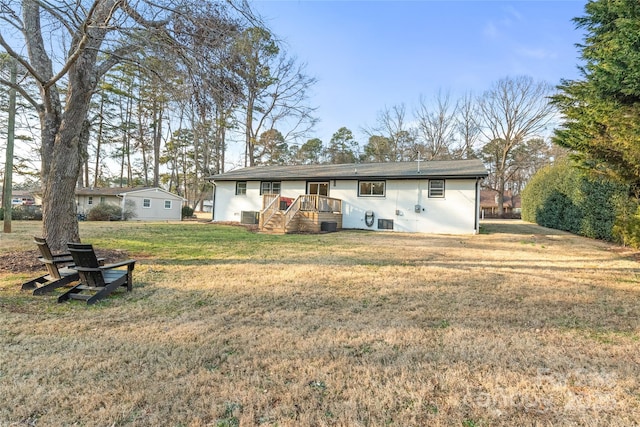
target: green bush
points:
(129, 211)
(187, 212)
(105, 212)
(563, 197)
(24, 213)
(627, 226)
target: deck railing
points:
(316, 203)
(305, 202)
(272, 203)
(291, 213)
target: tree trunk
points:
(60, 223)
(64, 135)
(248, 154)
(500, 191)
(157, 142)
(96, 172)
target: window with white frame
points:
(371, 188)
(146, 203)
(241, 188)
(167, 204)
(268, 187)
(436, 188)
(90, 200)
(103, 199)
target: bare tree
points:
(70, 46)
(467, 126)
(390, 139)
(274, 90)
(437, 126)
(513, 111)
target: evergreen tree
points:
(602, 110)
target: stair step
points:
(80, 297)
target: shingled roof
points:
(118, 191)
(401, 170)
(108, 191)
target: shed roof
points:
(399, 170)
(118, 191)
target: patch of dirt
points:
(18, 262)
(27, 261)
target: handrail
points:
(272, 207)
(290, 213)
(311, 203)
(316, 203)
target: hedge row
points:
(561, 196)
(24, 213)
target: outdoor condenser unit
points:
(249, 217)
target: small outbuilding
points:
(427, 197)
(143, 203)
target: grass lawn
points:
(519, 325)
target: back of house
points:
(428, 197)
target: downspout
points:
(213, 201)
(124, 196)
(477, 210)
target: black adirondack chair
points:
(59, 267)
(96, 281)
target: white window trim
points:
(384, 189)
(146, 207)
(90, 200)
(270, 187)
(245, 188)
(170, 204)
(444, 186)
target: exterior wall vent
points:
(385, 224)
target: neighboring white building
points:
(429, 197)
(147, 204)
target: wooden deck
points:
(305, 214)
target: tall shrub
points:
(561, 196)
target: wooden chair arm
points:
(62, 254)
(130, 263)
(58, 260)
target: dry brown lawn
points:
(520, 325)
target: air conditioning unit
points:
(249, 217)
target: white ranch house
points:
(147, 203)
(441, 197)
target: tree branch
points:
(15, 55)
(22, 93)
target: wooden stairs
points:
(303, 215)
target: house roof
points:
(400, 170)
(118, 191)
(109, 191)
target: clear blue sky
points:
(368, 55)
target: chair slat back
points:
(84, 256)
(47, 256)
